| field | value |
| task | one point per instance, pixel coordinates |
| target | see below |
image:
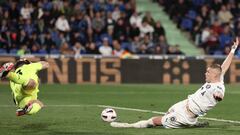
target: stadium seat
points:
(13, 51)
(192, 14)
(42, 51)
(3, 51)
(224, 40)
(186, 24)
(218, 52)
(54, 51)
(126, 45)
(198, 2)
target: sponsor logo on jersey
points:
(173, 119)
(208, 86)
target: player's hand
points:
(218, 96)
(235, 44)
(5, 69)
(8, 66)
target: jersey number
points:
(203, 93)
(19, 72)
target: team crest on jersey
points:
(173, 119)
(208, 86)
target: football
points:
(109, 115)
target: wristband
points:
(233, 51)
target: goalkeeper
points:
(24, 83)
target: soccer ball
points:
(109, 115)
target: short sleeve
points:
(37, 66)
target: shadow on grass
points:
(83, 133)
(43, 128)
(35, 128)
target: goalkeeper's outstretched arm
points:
(230, 56)
(45, 64)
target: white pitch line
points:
(156, 112)
(77, 105)
(128, 109)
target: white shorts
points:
(178, 117)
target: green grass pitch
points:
(72, 110)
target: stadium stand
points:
(49, 27)
(173, 34)
(76, 27)
(212, 24)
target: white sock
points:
(121, 125)
(143, 124)
(139, 124)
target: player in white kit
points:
(185, 113)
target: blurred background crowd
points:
(212, 24)
(75, 27)
(113, 27)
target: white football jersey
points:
(202, 100)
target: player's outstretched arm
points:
(45, 64)
(230, 56)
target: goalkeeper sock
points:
(16, 78)
(35, 108)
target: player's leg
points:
(155, 121)
(36, 106)
(31, 108)
(152, 122)
(29, 105)
(200, 125)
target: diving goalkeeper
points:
(24, 83)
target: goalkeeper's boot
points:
(25, 110)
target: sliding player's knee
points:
(157, 121)
(31, 85)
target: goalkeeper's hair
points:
(21, 62)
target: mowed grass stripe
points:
(130, 109)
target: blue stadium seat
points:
(42, 51)
(225, 40)
(126, 46)
(54, 51)
(105, 35)
(109, 8)
(13, 51)
(218, 52)
(98, 44)
(198, 2)
(192, 14)
(186, 24)
(3, 51)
